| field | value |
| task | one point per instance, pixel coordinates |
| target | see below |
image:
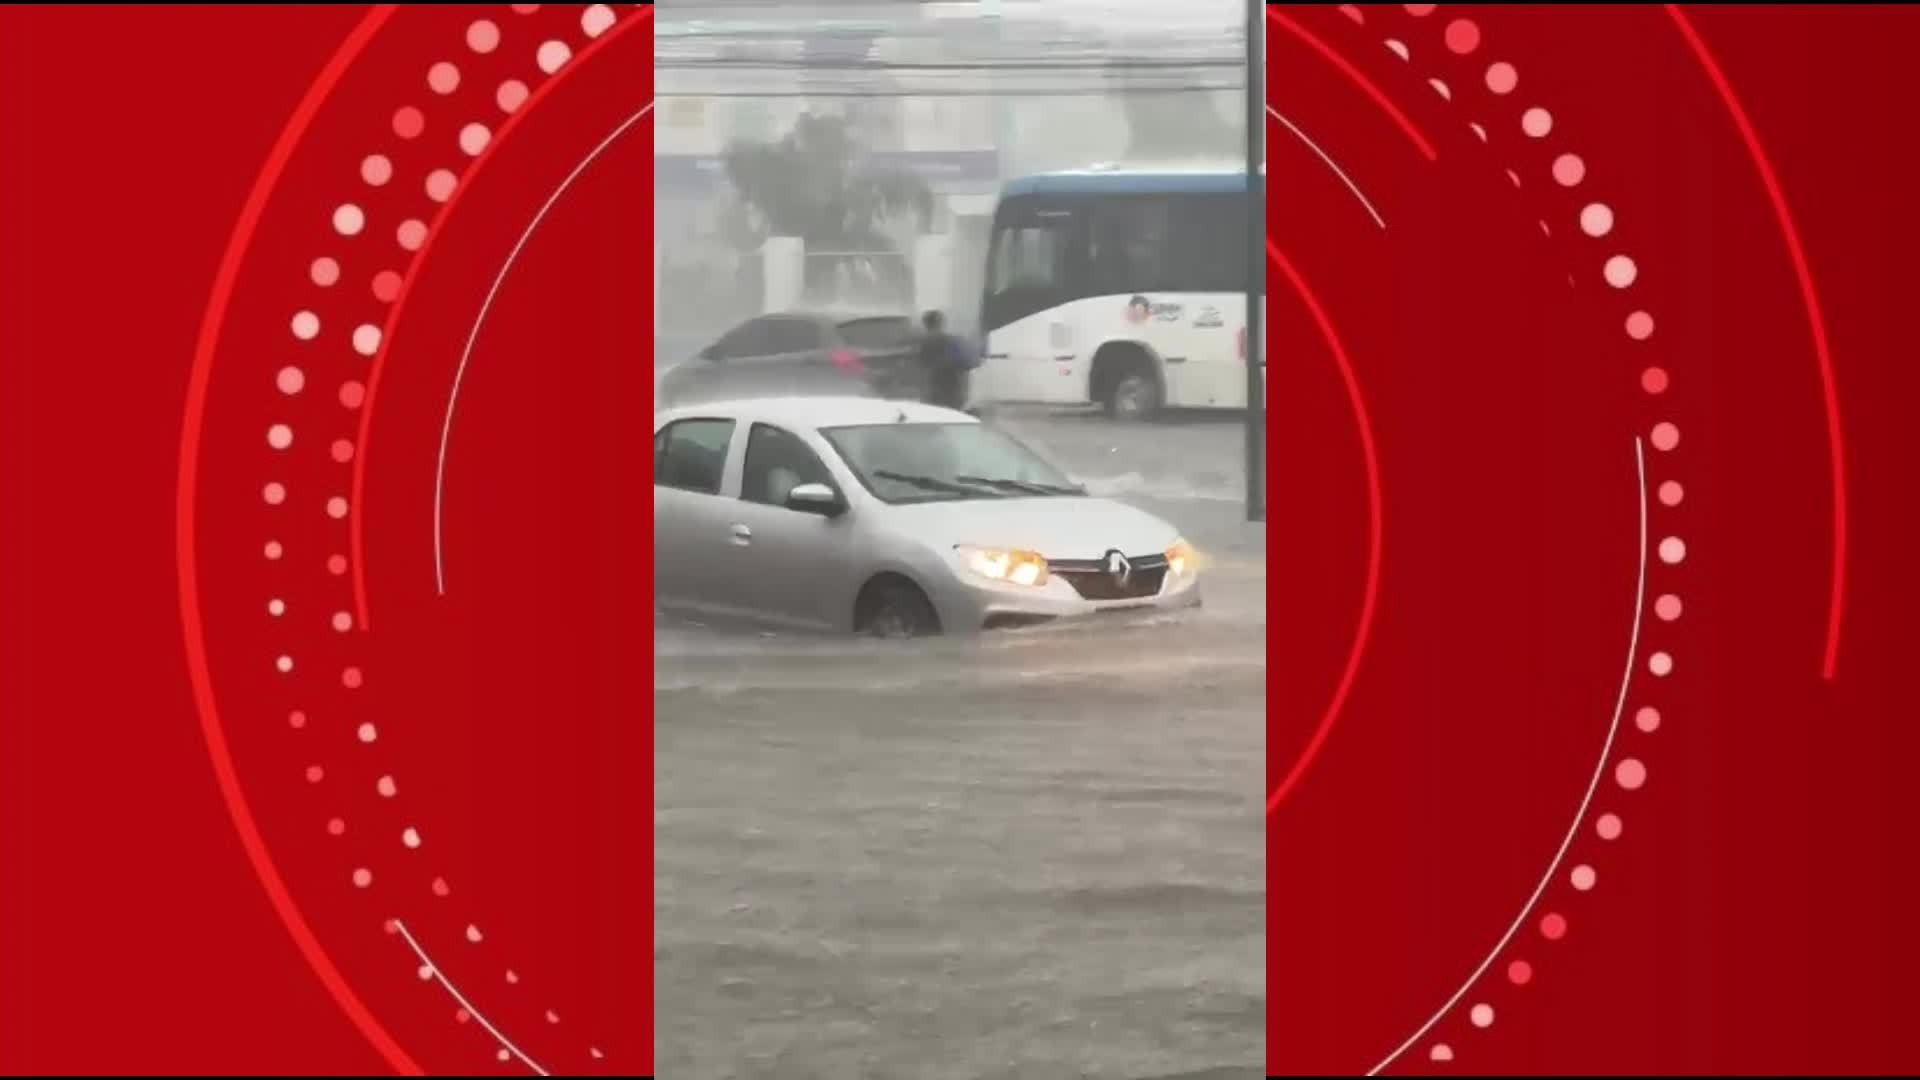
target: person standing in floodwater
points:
(945, 360)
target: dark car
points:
(801, 355)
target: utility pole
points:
(1256, 262)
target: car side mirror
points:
(815, 499)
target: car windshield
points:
(904, 463)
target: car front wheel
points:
(895, 608)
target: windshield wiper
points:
(933, 483)
(1027, 486)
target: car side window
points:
(777, 462)
(747, 339)
(691, 455)
(793, 336)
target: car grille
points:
(1092, 580)
(1013, 620)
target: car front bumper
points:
(970, 603)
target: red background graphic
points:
(1753, 916)
(477, 767)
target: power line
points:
(995, 92)
(1127, 65)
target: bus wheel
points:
(1134, 395)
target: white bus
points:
(1125, 289)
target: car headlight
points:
(1182, 559)
(1005, 564)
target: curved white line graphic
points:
(401, 928)
(1331, 164)
(1599, 769)
(473, 335)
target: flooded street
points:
(1033, 853)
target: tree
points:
(1163, 126)
(1164, 121)
(818, 183)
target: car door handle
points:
(742, 536)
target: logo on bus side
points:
(1139, 309)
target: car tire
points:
(1134, 395)
(895, 608)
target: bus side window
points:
(1128, 246)
(1208, 252)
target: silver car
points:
(890, 518)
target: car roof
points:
(817, 412)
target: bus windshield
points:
(1031, 253)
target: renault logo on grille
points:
(1118, 567)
